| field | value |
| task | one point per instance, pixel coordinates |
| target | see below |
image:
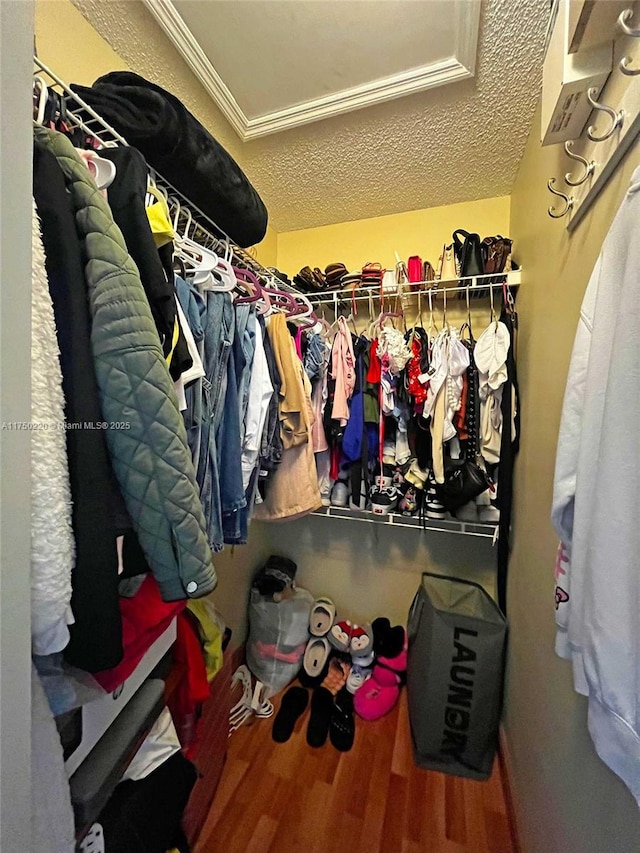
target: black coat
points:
(96, 636)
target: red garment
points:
(193, 688)
(144, 618)
(460, 417)
(417, 390)
(374, 374)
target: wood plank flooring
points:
(289, 798)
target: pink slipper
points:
(380, 693)
(373, 701)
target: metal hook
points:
(588, 165)
(617, 118)
(626, 29)
(623, 65)
(568, 201)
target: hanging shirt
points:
(343, 371)
(595, 500)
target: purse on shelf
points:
(428, 272)
(448, 271)
(496, 253)
(464, 480)
(469, 253)
(414, 271)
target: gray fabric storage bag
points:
(457, 640)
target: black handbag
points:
(469, 253)
(464, 480)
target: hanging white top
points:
(596, 499)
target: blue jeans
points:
(219, 330)
(229, 438)
(195, 310)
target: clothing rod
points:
(204, 222)
(511, 279)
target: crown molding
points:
(171, 22)
(459, 67)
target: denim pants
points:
(229, 436)
(195, 311)
(219, 329)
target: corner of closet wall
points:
(545, 720)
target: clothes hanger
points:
(40, 99)
(246, 281)
(432, 330)
(466, 326)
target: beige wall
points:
(568, 801)
(416, 232)
(369, 570)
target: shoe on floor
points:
(322, 617)
(292, 707)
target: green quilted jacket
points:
(150, 457)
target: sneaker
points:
(340, 494)
(433, 505)
(325, 497)
(408, 504)
(383, 501)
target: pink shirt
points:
(343, 371)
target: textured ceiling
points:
(439, 147)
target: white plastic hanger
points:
(40, 89)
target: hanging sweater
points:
(52, 543)
(595, 500)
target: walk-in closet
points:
(318, 379)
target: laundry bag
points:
(278, 635)
(455, 671)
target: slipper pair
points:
(331, 717)
(353, 639)
(321, 618)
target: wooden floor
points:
(289, 798)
